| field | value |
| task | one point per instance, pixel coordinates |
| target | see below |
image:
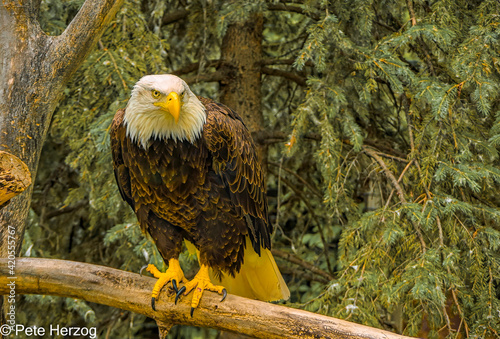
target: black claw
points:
(153, 303)
(181, 290)
(174, 285)
(142, 269)
(224, 295)
(192, 311)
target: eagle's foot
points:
(173, 274)
(200, 283)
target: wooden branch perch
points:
(15, 177)
(131, 292)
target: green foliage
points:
(389, 180)
(424, 97)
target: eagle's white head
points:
(163, 107)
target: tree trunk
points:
(241, 55)
(34, 69)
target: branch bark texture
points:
(15, 177)
(241, 54)
(131, 292)
(35, 68)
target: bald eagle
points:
(188, 167)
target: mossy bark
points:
(241, 54)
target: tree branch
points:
(299, 261)
(195, 66)
(292, 8)
(274, 61)
(271, 137)
(15, 177)
(387, 172)
(216, 63)
(171, 17)
(314, 216)
(65, 209)
(285, 74)
(82, 33)
(302, 180)
(409, 3)
(208, 77)
(398, 188)
(131, 292)
(422, 43)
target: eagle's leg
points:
(174, 274)
(199, 283)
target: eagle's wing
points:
(235, 160)
(118, 133)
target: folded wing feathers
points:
(235, 160)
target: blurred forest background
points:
(379, 123)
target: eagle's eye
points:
(155, 94)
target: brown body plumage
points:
(188, 167)
(210, 191)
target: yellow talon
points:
(199, 283)
(174, 273)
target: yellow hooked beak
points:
(171, 104)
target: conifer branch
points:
(298, 261)
(273, 61)
(387, 172)
(195, 66)
(270, 137)
(422, 43)
(409, 3)
(131, 292)
(313, 214)
(440, 229)
(414, 159)
(293, 8)
(82, 33)
(265, 70)
(65, 210)
(398, 188)
(385, 26)
(399, 180)
(406, 104)
(393, 157)
(300, 274)
(206, 77)
(174, 16)
(428, 58)
(302, 180)
(394, 154)
(285, 74)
